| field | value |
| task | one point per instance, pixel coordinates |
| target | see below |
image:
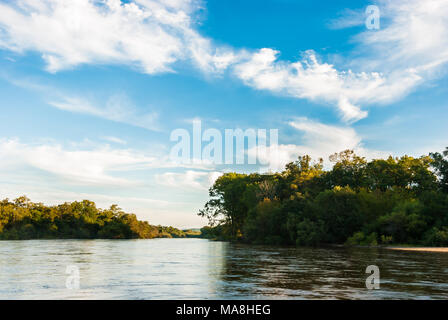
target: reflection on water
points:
(202, 269)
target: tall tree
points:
(440, 164)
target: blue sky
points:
(91, 91)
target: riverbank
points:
(422, 249)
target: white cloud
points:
(348, 18)
(318, 141)
(114, 140)
(87, 163)
(310, 79)
(54, 196)
(408, 50)
(322, 139)
(82, 32)
(415, 36)
(52, 173)
(189, 179)
(149, 34)
(118, 108)
(350, 112)
(86, 167)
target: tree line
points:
(358, 202)
(22, 219)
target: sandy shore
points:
(444, 249)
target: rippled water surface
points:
(202, 269)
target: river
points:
(202, 269)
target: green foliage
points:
(192, 233)
(386, 239)
(405, 223)
(23, 219)
(219, 232)
(437, 237)
(359, 238)
(310, 233)
(357, 202)
(265, 219)
(170, 232)
(340, 210)
(440, 164)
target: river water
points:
(202, 269)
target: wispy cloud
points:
(415, 37)
(114, 140)
(55, 173)
(348, 18)
(118, 108)
(89, 163)
(94, 166)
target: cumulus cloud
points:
(310, 79)
(148, 34)
(318, 141)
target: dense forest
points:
(358, 202)
(23, 219)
